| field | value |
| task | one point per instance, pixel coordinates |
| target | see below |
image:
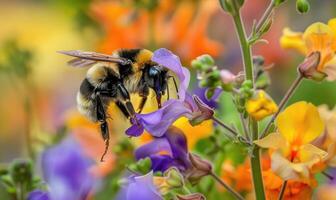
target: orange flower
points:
(184, 27)
(240, 179)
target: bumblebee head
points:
(156, 78)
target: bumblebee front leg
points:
(144, 94)
(126, 100)
(101, 117)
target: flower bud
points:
(199, 169)
(204, 112)
(278, 2)
(308, 68)
(21, 171)
(227, 5)
(302, 6)
(227, 77)
(194, 196)
(174, 178)
(206, 60)
(260, 106)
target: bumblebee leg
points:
(143, 94)
(127, 101)
(101, 116)
(122, 109)
(142, 103)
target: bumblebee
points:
(112, 78)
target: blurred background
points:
(38, 89)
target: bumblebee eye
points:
(153, 72)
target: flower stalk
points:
(226, 186)
(282, 191)
(249, 75)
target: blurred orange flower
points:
(181, 28)
(239, 178)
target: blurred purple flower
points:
(169, 60)
(158, 122)
(139, 188)
(38, 195)
(66, 171)
(174, 144)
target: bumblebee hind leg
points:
(101, 116)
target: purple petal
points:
(212, 103)
(174, 143)
(157, 145)
(140, 188)
(65, 169)
(135, 130)
(178, 145)
(171, 61)
(38, 195)
(158, 122)
(163, 162)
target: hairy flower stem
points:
(282, 191)
(233, 134)
(226, 186)
(264, 17)
(283, 102)
(248, 68)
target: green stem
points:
(227, 187)
(245, 47)
(282, 191)
(256, 166)
(248, 68)
(265, 17)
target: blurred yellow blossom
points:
(293, 156)
(260, 106)
(318, 37)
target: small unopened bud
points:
(195, 196)
(227, 77)
(278, 2)
(204, 112)
(174, 178)
(21, 171)
(308, 68)
(302, 6)
(199, 169)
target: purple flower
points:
(65, 169)
(212, 103)
(139, 188)
(174, 144)
(169, 60)
(158, 122)
(38, 195)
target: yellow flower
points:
(261, 106)
(293, 156)
(194, 133)
(318, 37)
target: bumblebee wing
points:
(86, 58)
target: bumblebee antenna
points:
(107, 144)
